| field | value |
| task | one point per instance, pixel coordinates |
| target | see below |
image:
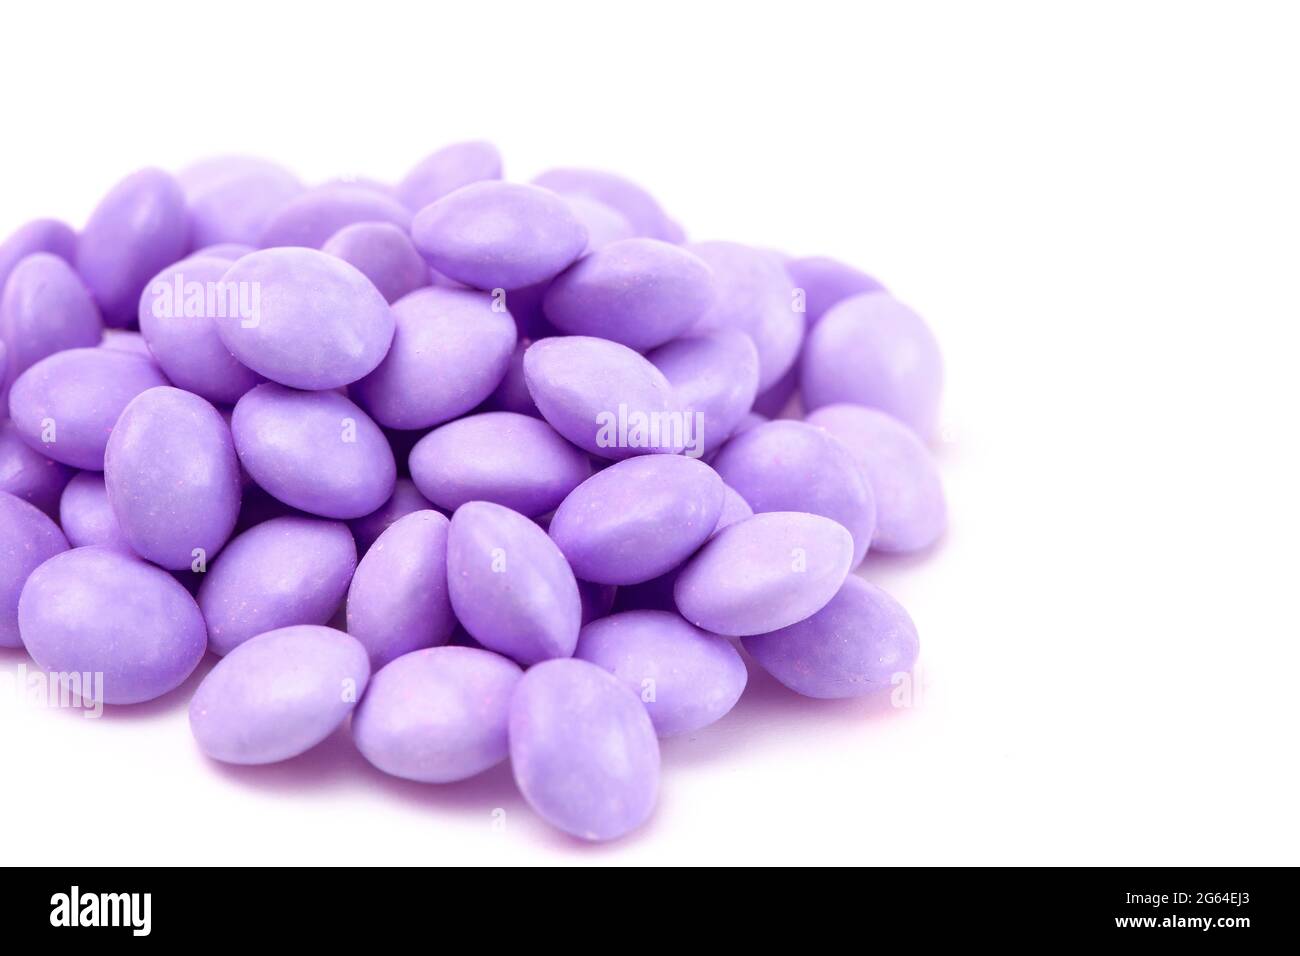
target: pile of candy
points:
(515, 442)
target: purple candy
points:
(315, 451)
(282, 572)
(858, 643)
(510, 586)
(583, 750)
(232, 198)
(734, 509)
(397, 601)
(687, 678)
(438, 715)
(28, 475)
(39, 235)
(447, 170)
(510, 459)
(826, 282)
(45, 309)
(27, 539)
(278, 694)
(92, 611)
(405, 499)
(512, 394)
(122, 340)
(637, 206)
(312, 217)
(773, 402)
(86, 516)
(715, 378)
(384, 254)
(230, 251)
(604, 223)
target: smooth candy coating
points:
(45, 309)
(826, 282)
(319, 322)
(141, 226)
(438, 715)
(178, 321)
(384, 254)
(397, 601)
(39, 235)
(315, 451)
(95, 611)
(498, 235)
(510, 587)
(28, 475)
(514, 460)
(278, 695)
(687, 678)
(872, 350)
(75, 398)
(714, 375)
(28, 538)
(604, 223)
(911, 513)
(604, 397)
(311, 218)
(858, 643)
(404, 500)
(232, 198)
(282, 572)
(583, 750)
(764, 573)
(638, 519)
(86, 516)
(640, 292)
(447, 170)
(451, 349)
(636, 205)
(755, 296)
(792, 466)
(173, 478)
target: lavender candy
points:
(636, 205)
(498, 235)
(640, 292)
(65, 405)
(583, 750)
(45, 309)
(910, 510)
(438, 715)
(311, 218)
(398, 601)
(872, 350)
(86, 516)
(638, 518)
(172, 478)
(791, 466)
(510, 586)
(230, 251)
(604, 223)
(39, 235)
(27, 540)
(513, 460)
(178, 321)
(764, 573)
(26, 474)
(232, 198)
(826, 282)
(772, 402)
(511, 395)
(715, 378)
(315, 322)
(447, 170)
(404, 500)
(315, 451)
(734, 509)
(139, 227)
(125, 340)
(282, 572)
(605, 398)
(278, 694)
(687, 678)
(384, 254)
(858, 643)
(451, 349)
(93, 611)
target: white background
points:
(1097, 206)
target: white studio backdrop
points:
(1096, 208)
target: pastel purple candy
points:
(285, 571)
(74, 398)
(511, 395)
(447, 170)
(451, 349)
(230, 251)
(911, 513)
(734, 509)
(45, 309)
(857, 644)
(499, 235)
(319, 322)
(793, 466)
(384, 254)
(86, 516)
(595, 392)
(278, 694)
(28, 538)
(510, 586)
(826, 281)
(872, 350)
(764, 573)
(438, 715)
(141, 226)
(636, 205)
(513, 460)
(640, 292)
(173, 478)
(315, 451)
(232, 198)
(583, 750)
(638, 518)
(687, 678)
(604, 223)
(714, 375)
(772, 402)
(398, 601)
(96, 611)
(309, 219)
(27, 474)
(404, 500)
(123, 340)
(38, 235)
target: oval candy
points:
(715, 378)
(86, 516)
(383, 253)
(448, 169)
(28, 538)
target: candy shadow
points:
(168, 703)
(881, 562)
